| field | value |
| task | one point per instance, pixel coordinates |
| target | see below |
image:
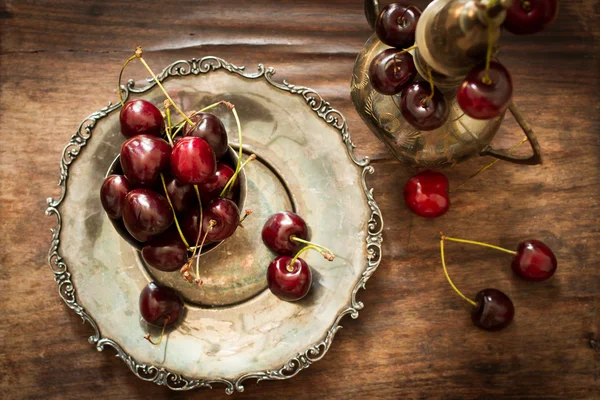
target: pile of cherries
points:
(486, 91)
(288, 276)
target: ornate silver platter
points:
(234, 330)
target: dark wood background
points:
(59, 61)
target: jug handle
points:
(371, 12)
(504, 155)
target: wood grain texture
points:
(59, 61)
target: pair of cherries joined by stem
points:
(493, 310)
(289, 277)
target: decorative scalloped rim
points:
(161, 376)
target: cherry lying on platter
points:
(279, 229)
(289, 282)
(160, 305)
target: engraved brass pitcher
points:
(451, 37)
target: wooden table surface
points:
(59, 61)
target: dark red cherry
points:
(112, 195)
(193, 161)
(183, 197)
(165, 252)
(525, 17)
(494, 310)
(397, 23)
(190, 224)
(141, 117)
(226, 215)
(391, 71)
(534, 261)
(279, 228)
(211, 129)
(426, 194)
(160, 305)
(419, 110)
(146, 214)
(484, 100)
(143, 158)
(289, 284)
(213, 187)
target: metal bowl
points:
(234, 330)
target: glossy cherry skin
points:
(160, 305)
(141, 117)
(279, 228)
(419, 111)
(531, 16)
(143, 158)
(396, 25)
(426, 194)
(289, 285)
(183, 197)
(211, 129)
(226, 214)
(534, 261)
(390, 72)
(146, 214)
(494, 310)
(112, 195)
(213, 187)
(481, 100)
(165, 252)
(193, 161)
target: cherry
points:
(143, 158)
(391, 71)
(193, 161)
(211, 129)
(534, 261)
(119, 226)
(422, 110)
(190, 224)
(212, 188)
(146, 214)
(279, 229)
(226, 216)
(183, 197)
(289, 279)
(140, 117)
(112, 195)
(525, 17)
(160, 305)
(426, 194)
(165, 252)
(397, 23)
(494, 310)
(485, 95)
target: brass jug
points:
(451, 38)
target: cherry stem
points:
(235, 175)
(162, 179)
(430, 78)
(444, 237)
(248, 212)
(325, 252)
(147, 337)
(489, 165)
(488, 58)
(138, 54)
(448, 276)
(290, 266)
(211, 225)
(121, 76)
(168, 128)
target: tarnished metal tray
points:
(234, 328)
